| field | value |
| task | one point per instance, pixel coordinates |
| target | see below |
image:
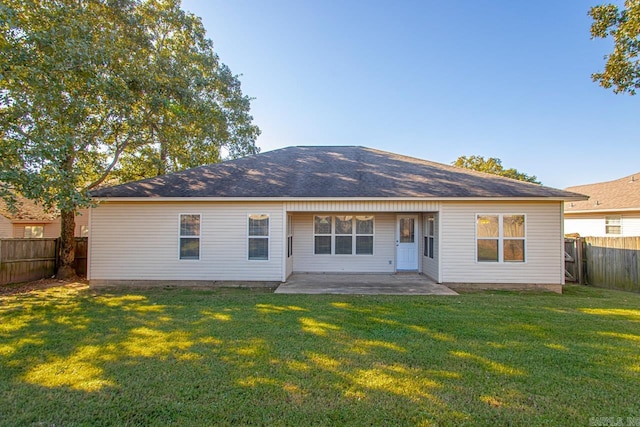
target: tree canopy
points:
(622, 67)
(92, 90)
(493, 166)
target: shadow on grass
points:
(191, 357)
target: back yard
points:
(74, 356)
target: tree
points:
(493, 166)
(94, 89)
(622, 68)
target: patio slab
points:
(362, 284)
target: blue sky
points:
(435, 80)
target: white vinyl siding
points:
(139, 241)
(365, 206)
(594, 224)
(544, 245)
(382, 260)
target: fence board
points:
(613, 262)
(572, 262)
(23, 260)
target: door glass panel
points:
(407, 233)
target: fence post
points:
(56, 256)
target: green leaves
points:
(95, 91)
(622, 67)
(493, 166)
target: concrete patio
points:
(362, 284)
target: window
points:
(343, 235)
(34, 231)
(364, 235)
(322, 235)
(407, 232)
(500, 238)
(190, 236)
(84, 231)
(258, 237)
(429, 236)
(613, 224)
(289, 236)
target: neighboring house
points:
(30, 220)
(328, 210)
(613, 209)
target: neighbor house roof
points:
(26, 210)
(620, 194)
(330, 172)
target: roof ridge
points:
(629, 178)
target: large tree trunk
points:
(66, 269)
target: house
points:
(30, 220)
(613, 209)
(328, 210)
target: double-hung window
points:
(343, 234)
(613, 224)
(500, 238)
(190, 236)
(429, 236)
(289, 236)
(364, 235)
(322, 234)
(258, 235)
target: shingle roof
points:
(331, 172)
(623, 193)
(26, 210)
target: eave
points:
(332, 199)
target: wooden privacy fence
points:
(608, 262)
(612, 262)
(22, 260)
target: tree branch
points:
(106, 173)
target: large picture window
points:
(343, 235)
(258, 236)
(500, 238)
(190, 236)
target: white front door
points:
(407, 243)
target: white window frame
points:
(267, 237)
(612, 221)
(354, 235)
(429, 250)
(199, 237)
(330, 235)
(289, 236)
(31, 228)
(501, 238)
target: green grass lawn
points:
(74, 356)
